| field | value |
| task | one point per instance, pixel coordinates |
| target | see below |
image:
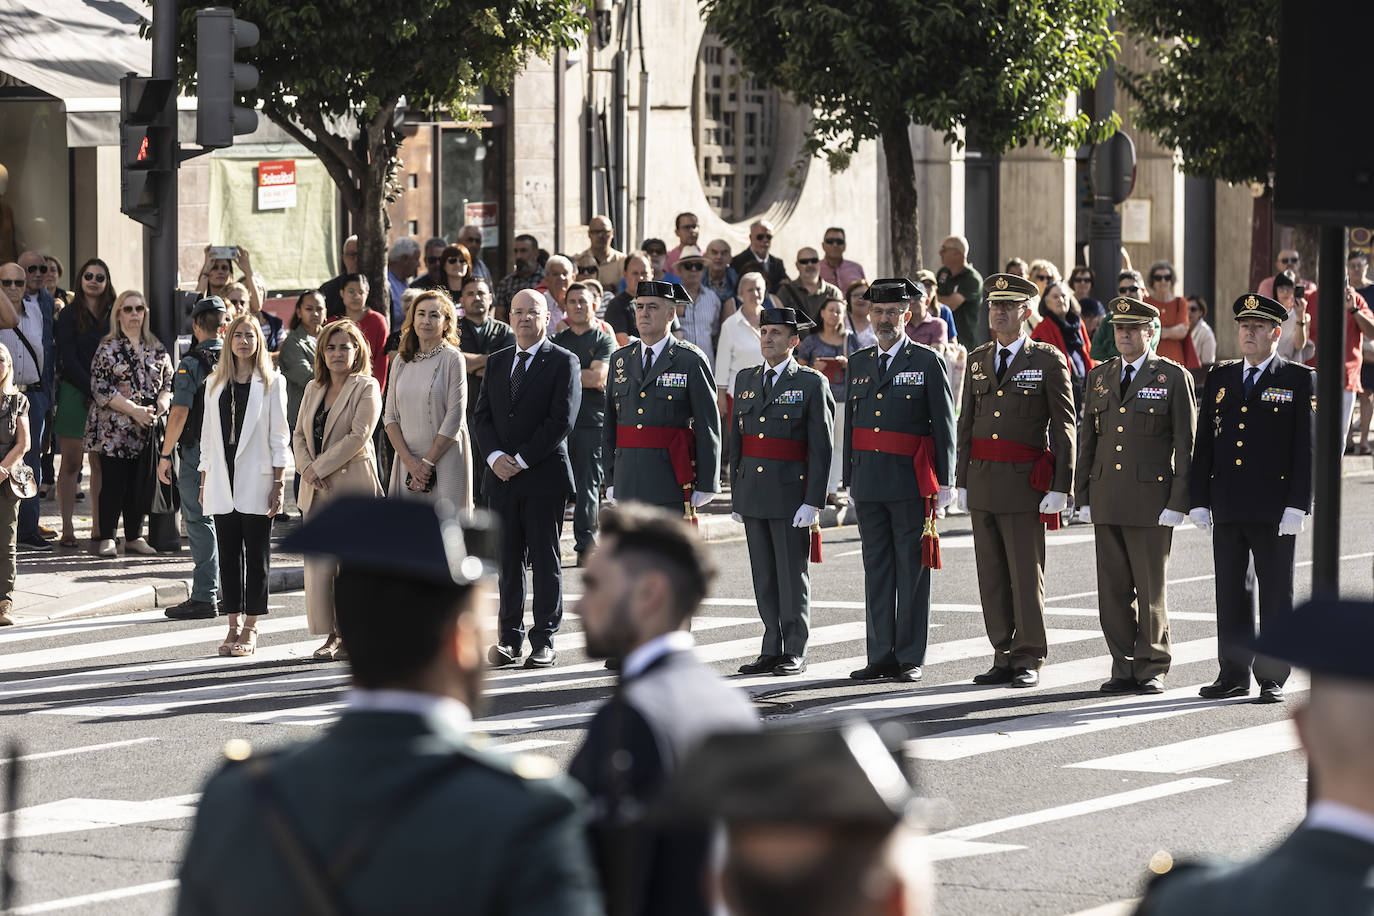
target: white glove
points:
(944, 497)
(1085, 514)
(1171, 519)
(1054, 503)
(1293, 521)
(736, 517)
(700, 499)
(961, 499)
(806, 516)
(610, 495)
(1202, 518)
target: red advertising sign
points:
(277, 184)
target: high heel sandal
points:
(246, 644)
(227, 648)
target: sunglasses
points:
(808, 260)
(693, 265)
(655, 253)
(1127, 290)
(133, 309)
(1281, 261)
(761, 237)
(15, 283)
(93, 278)
(1081, 278)
(1161, 278)
(1043, 278)
(587, 270)
(452, 259)
(834, 241)
(37, 268)
(1194, 308)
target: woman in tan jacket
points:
(333, 450)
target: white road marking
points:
(120, 893)
(524, 745)
(1204, 578)
(940, 849)
(72, 815)
(88, 749)
(1205, 752)
(965, 541)
(1206, 616)
(165, 701)
(1115, 908)
(61, 628)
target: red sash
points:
(922, 452)
(681, 446)
(774, 448)
(1005, 451)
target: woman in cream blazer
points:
(334, 454)
(245, 448)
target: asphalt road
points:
(1050, 800)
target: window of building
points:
(734, 164)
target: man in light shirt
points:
(28, 333)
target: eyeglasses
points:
(808, 261)
(834, 241)
(1082, 278)
(1194, 308)
(1127, 290)
(133, 309)
(452, 259)
(1293, 260)
(693, 265)
(587, 270)
(1161, 278)
(763, 237)
(14, 283)
(1042, 278)
(37, 268)
(656, 253)
(93, 278)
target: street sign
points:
(1113, 168)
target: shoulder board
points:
(981, 347)
(688, 345)
(927, 347)
(809, 369)
(1174, 363)
(1227, 362)
(867, 352)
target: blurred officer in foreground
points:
(1132, 486)
(1325, 866)
(898, 465)
(393, 810)
(780, 450)
(642, 583)
(816, 823)
(1252, 486)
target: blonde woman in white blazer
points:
(245, 448)
(334, 455)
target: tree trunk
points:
(1261, 239)
(903, 213)
(1307, 243)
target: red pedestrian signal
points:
(142, 155)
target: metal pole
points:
(1104, 226)
(1326, 469)
(160, 245)
(642, 166)
(620, 102)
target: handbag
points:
(164, 533)
(22, 483)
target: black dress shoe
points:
(1270, 692)
(33, 542)
(873, 672)
(1222, 689)
(1119, 685)
(542, 657)
(789, 664)
(994, 675)
(612, 664)
(1025, 677)
(1151, 685)
(764, 664)
(499, 656)
(190, 609)
(907, 674)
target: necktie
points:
(883, 360)
(1005, 355)
(1250, 374)
(648, 359)
(1126, 380)
(517, 377)
(768, 378)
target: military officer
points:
(1016, 450)
(898, 460)
(393, 809)
(661, 441)
(1252, 486)
(1132, 485)
(780, 452)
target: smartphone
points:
(224, 252)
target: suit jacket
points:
(1134, 453)
(656, 717)
(1313, 871)
(774, 271)
(1253, 456)
(536, 426)
(486, 839)
(801, 408)
(347, 462)
(264, 443)
(912, 398)
(1032, 405)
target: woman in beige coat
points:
(333, 449)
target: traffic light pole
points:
(160, 244)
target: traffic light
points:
(147, 148)
(220, 80)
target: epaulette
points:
(1172, 362)
(810, 369)
(1227, 362)
(691, 346)
(981, 347)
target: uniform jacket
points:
(1134, 454)
(914, 398)
(484, 840)
(678, 391)
(536, 426)
(264, 443)
(347, 462)
(1253, 456)
(800, 407)
(1032, 405)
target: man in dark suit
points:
(756, 256)
(392, 809)
(1325, 865)
(525, 411)
(1251, 484)
(642, 583)
(33, 352)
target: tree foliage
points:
(1215, 93)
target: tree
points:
(333, 77)
(869, 68)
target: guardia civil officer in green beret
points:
(393, 809)
(780, 464)
(898, 465)
(1132, 485)
(661, 441)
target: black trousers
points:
(245, 544)
(1233, 545)
(530, 528)
(125, 494)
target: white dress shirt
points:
(451, 712)
(31, 323)
(1339, 818)
(1135, 367)
(644, 656)
(657, 349)
(515, 361)
(1015, 348)
(1262, 367)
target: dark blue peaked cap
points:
(1328, 636)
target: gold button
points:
(643, 394)
(1122, 409)
(1240, 426)
(880, 395)
(997, 413)
(1118, 467)
(784, 416)
(908, 397)
(1244, 409)
(670, 397)
(760, 435)
(801, 477)
(639, 426)
(1281, 477)
(1276, 410)
(876, 430)
(1152, 410)
(1239, 443)
(1118, 448)
(1121, 429)
(1000, 393)
(641, 410)
(994, 435)
(877, 413)
(1161, 480)
(760, 469)
(1237, 462)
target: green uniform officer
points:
(661, 441)
(1016, 448)
(1132, 485)
(780, 464)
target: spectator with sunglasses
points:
(1174, 341)
(701, 317)
(1131, 284)
(1289, 262)
(808, 293)
(834, 268)
(757, 257)
(433, 277)
(28, 332)
(1081, 280)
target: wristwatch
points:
(165, 457)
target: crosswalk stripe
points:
(165, 701)
(62, 628)
(71, 903)
(524, 745)
(88, 749)
(1205, 752)
(1203, 616)
(72, 815)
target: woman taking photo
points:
(425, 405)
(827, 350)
(332, 444)
(244, 450)
(1064, 329)
(14, 443)
(131, 384)
(78, 331)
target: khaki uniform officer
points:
(1016, 448)
(1132, 485)
(661, 441)
(780, 465)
